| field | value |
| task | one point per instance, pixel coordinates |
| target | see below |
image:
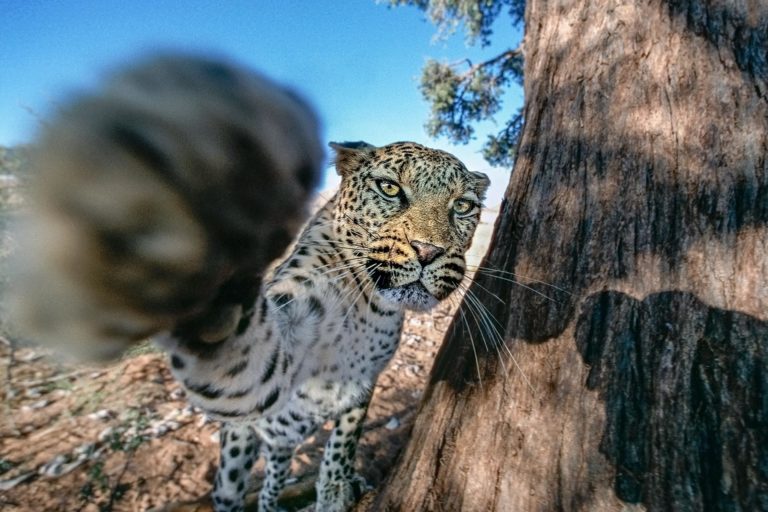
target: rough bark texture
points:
(641, 188)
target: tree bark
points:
(640, 191)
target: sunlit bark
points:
(641, 192)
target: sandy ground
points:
(122, 437)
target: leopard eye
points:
(388, 188)
(463, 206)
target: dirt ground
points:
(123, 438)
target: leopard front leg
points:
(159, 191)
(278, 464)
(338, 486)
(239, 446)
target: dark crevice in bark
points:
(742, 29)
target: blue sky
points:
(357, 61)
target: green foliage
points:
(97, 479)
(459, 99)
(477, 16)
(98, 488)
(500, 149)
(462, 94)
(145, 347)
(6, 465)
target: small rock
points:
(161, 428)
(105, 434)
(413, 368)
(215, 437)
(68, 468)
(84, 449)
(27, 356)
(392, 424)
(37, 405)
(103, 414)
(53, 467)
(157, 431)
(32, 393)
(6, 485)
(413, 340)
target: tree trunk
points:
(641, 192)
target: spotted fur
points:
(329, 318)
(171, 191)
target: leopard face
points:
(410, 212)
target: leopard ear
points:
(351, 155)
(482, 182)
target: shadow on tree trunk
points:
(686, 399)
(629, 368)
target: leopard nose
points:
(425, 252)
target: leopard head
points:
(410, 212)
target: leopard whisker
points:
(359, 269)
(348, 272)
(537, 292)
(495, 296)
(489, 322)
(331, 267)
(484, 336)
(362, 290)
(487, 332)
(490, 271)
(370, 298)
(336, 245)
(457, 305)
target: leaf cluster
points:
(462, 94)
(476, 16)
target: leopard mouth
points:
(413, 295)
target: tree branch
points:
(507, 55)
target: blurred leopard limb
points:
(159, 200)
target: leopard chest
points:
(364, 342)
(341, 360)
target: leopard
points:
(272, 346)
